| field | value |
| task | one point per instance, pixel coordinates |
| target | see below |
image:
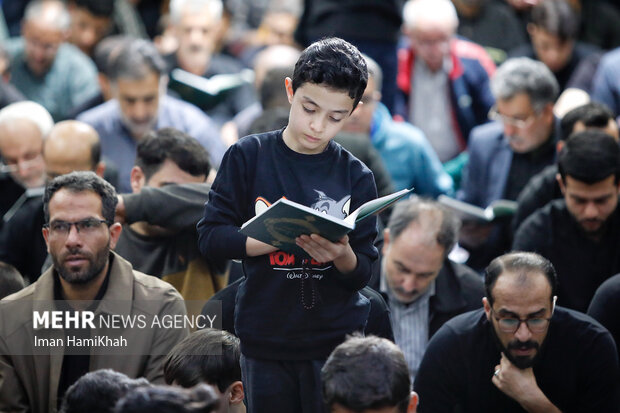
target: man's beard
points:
(139, 129)
(83, 274)
(521, 362)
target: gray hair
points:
(135, 60)
(177, 7)
(422, 210)
(375, 71)
(434, 10)
(524, 75)
(35, 9)
(31, 111)
(81, 181)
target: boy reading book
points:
(292, 311)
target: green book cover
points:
(286, 220)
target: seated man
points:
(553, 30)
(80, 233)
(505, 154)
(443, 80)
(580, 233)
(520, 352)
(196, 25)
(422, 286)
(169, 194)
(409, 158)
(45, 68)
(70, 146)
(23, 125)
(208, 356)
(367, 374)
(543, 187)
(91, 21)
(138, 78)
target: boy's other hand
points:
(323, 250)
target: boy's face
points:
(317, 114)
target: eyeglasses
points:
(509, 120)
(86, 226)
(511, 324)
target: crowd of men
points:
(115, 117)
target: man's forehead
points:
(521, 288)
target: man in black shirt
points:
(580, 234)
(520, 352)
(543, 187)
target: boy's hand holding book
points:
(323, 250)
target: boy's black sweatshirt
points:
(289, 307)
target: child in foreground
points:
(292, 311)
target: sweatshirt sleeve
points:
(172, 206)
(218, 230)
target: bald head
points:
(21, 143)
(72, 146)
(272, 57)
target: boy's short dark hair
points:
(169, 143)
(335, 63)
(98, 391)
(556, 17)
(590, 157)
(366, 373)
(169, 399)
(205, 356)
(11, 281)
(97, 8)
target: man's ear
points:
(288, 85)
(115, 233)
(100, 169)
(487, 307)
(137, 179)
(236, 392)
(560, 182)
(46, 234)
(386, 241)
(413, 403)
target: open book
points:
(467, 212)
(286, 220)
(206, 93)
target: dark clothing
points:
(496, 27)
(11, 191)
(539, 191)
(89, 104)
(358, 19)
(577, 369)
(526, 165)
(9, 94)
(234, 101)
(605, 307)
(563, 76)
(21, 242)
(378, 319)
(289, 307)
(276, 386)
(172, 256)
(581, 263)
(600, 24)
(458, 289)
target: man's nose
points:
(523, 333)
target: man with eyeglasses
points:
(520, 352)
(505, 154)
(80, 233)
(44, 67)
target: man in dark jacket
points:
(422, 287)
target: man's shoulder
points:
(473, 56)
(610, 60)
(71, 56)
(486, 133)
(581, 327)
(470, 323)
(101, 114)
(152, 287)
